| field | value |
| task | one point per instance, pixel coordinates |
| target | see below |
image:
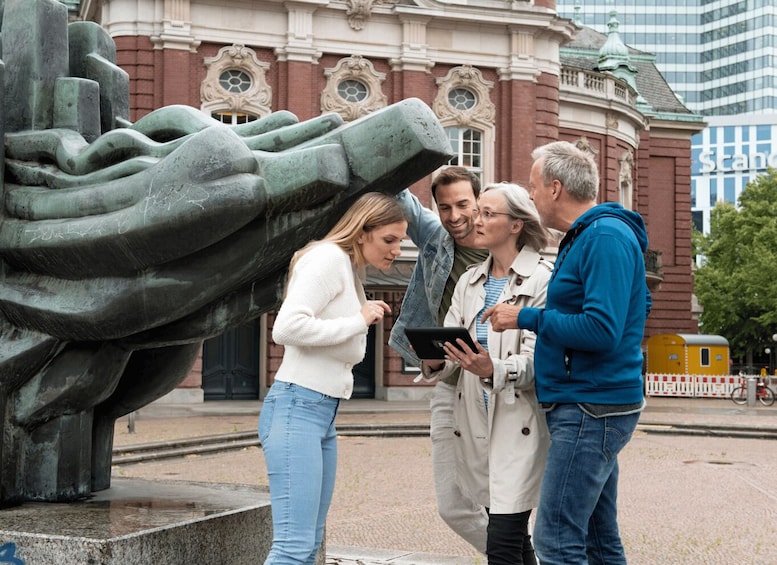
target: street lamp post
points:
(774, 368)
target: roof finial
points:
(576, 18)
(614, 52)
(614, 56)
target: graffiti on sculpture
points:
(124, 245)
(8, 554)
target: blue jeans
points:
(577, 520)
(297, 431)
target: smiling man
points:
(445, 250)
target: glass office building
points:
(729, 153)
(720, 57)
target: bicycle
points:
(762, 392)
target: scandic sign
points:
(725, 162)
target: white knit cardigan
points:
(320, 322)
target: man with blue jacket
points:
(445, 250)
(588, 357)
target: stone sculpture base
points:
(141, 522)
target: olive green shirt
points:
(463, 257)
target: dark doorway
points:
(364, 372)
(230, 364)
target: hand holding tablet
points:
(428, 342)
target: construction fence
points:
(692, 386)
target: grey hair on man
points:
(571, 166)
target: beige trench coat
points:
(501, 451)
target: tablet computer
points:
(428, 342)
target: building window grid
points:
(678, 42)
(353, 91)
(464, 107)
(729, 190)
(726, 11)
(724, 67)
(467, 144)
(235, 81)
(462, 99)
(713, 192)
(742, 160)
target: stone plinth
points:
(142, 522)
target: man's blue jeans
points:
(577, 520)
(297, 431)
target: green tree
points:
(737, 283)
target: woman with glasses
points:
(502, 437)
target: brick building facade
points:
(502, 77)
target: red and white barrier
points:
(691, 386)
(716, 386)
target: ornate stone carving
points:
(584, 145)
(256, 99)
(625, 178)
(478, 116)
(467, 77)
(611, 120)
(359, 11)
(359, 69)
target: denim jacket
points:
(427, 283)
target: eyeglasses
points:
(488, 215)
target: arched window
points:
(467, 144)
(464, 108)
(353, 91)
(235, 89)
(232, 118)
(353, 88)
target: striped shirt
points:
(493, 288)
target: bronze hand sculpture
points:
(124, 245)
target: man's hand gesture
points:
(503, 317)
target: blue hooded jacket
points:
(589, 334)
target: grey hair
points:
(573, 167)
(520, 207)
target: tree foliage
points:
(737, 283)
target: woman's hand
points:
(432, 366)
(477, 362)
(374, 310)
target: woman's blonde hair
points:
(371, 210)
(520, 207)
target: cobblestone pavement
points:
(683, 499)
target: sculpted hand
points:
(477, 362)
(124, 245)
(503, 317)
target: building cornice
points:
(412, 37)
(675, 126)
